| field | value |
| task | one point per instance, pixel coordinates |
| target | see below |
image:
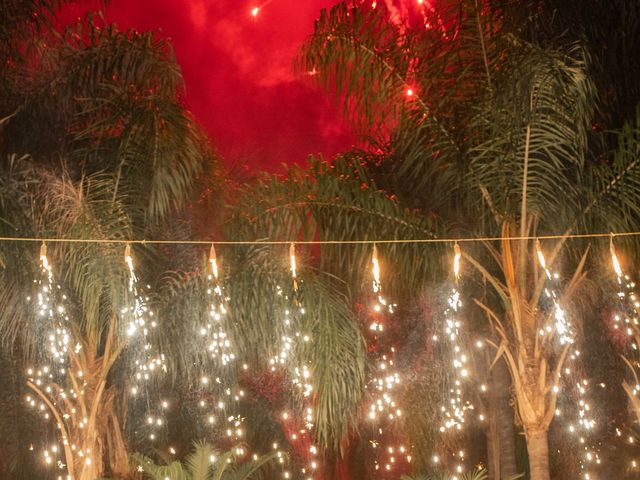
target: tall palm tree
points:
(99, 146)
(259, 282)
(482, 129)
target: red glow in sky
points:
(237, 69)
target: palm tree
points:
(492, 129)
(477, 474)
(205, 463)
(259, 283)
(99, 146)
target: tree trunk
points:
(538, 449)
(493, 450)
(504, 419)
(500, 432)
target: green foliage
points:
(108, 152)
(532, 133)
(338, 202)
(335, 356)
(198, 465)
(478, 474)
(110, 101)
(614, 186)
(511, 143)
(475, 475)
(95, 142)
(369, 59)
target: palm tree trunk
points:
(504, 419)
(538, 449)
(493, 450)
(500, 433)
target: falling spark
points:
(562, 326)
(454, 411)
(140, 323)
(385, 381)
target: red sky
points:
(238, 74)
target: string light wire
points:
(319, 242)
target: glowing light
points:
(213, 332)
(292, 259)
(213, 260)
(255, 11)
(50, 382)
(614, 258)
(563, 330)
(456, 261)
(375, 269)
(626, 319)
(541, 259)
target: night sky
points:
(239, 79)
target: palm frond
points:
(336, 350)
(16, 275)
(111, 101)
(358, 54)
(252, 468)
(338, 203)
(222, 464)
(95, 271)
(477, 474)
(533, 132)
(174, 470)
(159, 146)
(336, 354)
(18, 19)
(612, 200)
(198, 462)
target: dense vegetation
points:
(478, 119)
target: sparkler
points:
(140, 322)
(52, 315)
(563, 329)
(454, 412)
(49, 382)
(626, 320)
(291, 342)
(217, 343)
(383, 408)
(301, 378)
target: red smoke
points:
(237, 70)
